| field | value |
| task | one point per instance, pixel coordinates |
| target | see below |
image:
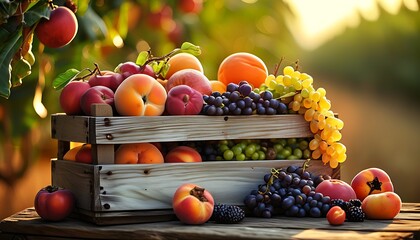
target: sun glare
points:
(319, 21)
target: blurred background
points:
(365, 53)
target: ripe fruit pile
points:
(175, 84)
(289, 192)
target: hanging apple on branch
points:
(19, 22)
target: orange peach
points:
(182, 154)
(182, 61)
(142, 153)
(384, 205)
(70, 155)
(140, 95)
(192, 78)
(84, 155)
(192, 204)
(217, 86)
(371, 181)
(242, 66)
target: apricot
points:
(182, 61)
(242, 66)
(384, 205)
(140, 95)
(84, 155)
(192, 204)
(138, 153)
(190, 77)
(371, 181)
(70, 155)
(59, 30)
(183, 154)
(217, 86)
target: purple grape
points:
(247, 111)
(266, 95)
(231, 87)
(248, 101)
(270, 111)
(232, 106)
(240, 104)
(234, 96)
(282, 108)
(245, 89)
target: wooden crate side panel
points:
(80, 179)
(151, 187)
(72, 128)
(120, 130)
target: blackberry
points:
(355, 214)
(339, 202)
(355, 202)
(223, 213)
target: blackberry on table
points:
(355, 202)
(223, 213)
(355, 214)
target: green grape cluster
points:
(296, 89)
(263, 149)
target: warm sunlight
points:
(319, 21)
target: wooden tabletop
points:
(28, 225)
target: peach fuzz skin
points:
(382, 205)
(183, 154)
(140, 95)
(360, 182)
(138, 153)
(190, 209)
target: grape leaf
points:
(191, 48)
(290, 94)
(62, 79)
(142, 58)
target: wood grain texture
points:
(119, 130)
(130, 187)
(27, 224)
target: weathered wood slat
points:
(128, 187)
(28, 223)
(119, 130)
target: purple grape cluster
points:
(289, 192)
(239, 99)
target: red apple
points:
(384, 205)
(129, 68)
(192, 204)
(70, 97)
(371, 181)
(96, 94)
(53, 203)
(183, 154)
(107, 79)
(336, 189)
(59, 30)
(184, 100)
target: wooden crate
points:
(109, 193)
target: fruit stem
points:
(198, 192)
(276, 69)
(51, 188)
(297, 65)
(186, 98)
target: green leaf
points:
(142, 58)
(191, 48)
(123, 19)
(7, 9)
(7, 51)
(64, 78)
(35, 13)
